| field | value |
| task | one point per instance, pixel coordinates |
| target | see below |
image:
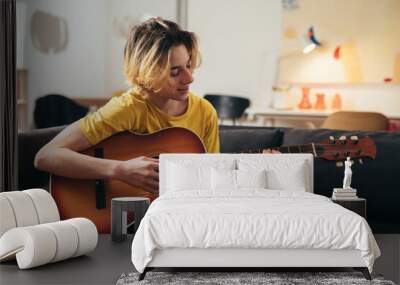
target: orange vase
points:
(305, 100)
(336, 102)
(320, 102)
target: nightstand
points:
(358, 205)
(120, 207)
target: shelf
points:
(329, 85)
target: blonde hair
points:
(148, 51)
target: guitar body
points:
(76, 197)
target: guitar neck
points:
(300, 148)
(332, 149)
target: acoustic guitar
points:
(92, 198)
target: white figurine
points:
(347, 173)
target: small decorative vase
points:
(305, 100)
(337, 102)
(320, 102)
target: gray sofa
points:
(376, 180)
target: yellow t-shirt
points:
(135, 113)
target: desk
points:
(312, 118)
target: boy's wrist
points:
(115, 169)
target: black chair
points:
(57, 110)
(228, 107)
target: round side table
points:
(119, 208)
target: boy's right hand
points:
(140, 172)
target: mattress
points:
(250, 219)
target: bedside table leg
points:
(364, 271)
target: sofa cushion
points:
(234, 140)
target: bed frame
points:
(242, 259)
(246, 258)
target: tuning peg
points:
(339, 164)
(332, 138)
(354, 139)
(342, 138)
(360, 161)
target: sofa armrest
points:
(29, 143)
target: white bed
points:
(247, 210)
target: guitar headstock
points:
(339, 149)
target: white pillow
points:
(281, 173)
(183, 177)
(251, 178)
(191, 173)
(236, 179)
(293, 179)
(223, 179)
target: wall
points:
(121, 14)
(79, 69)
(240, 44)
(90, 63)
(239, 41)
(367, 33)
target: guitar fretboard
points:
(300, 148)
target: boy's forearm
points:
(68, 163)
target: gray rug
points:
(270, 278)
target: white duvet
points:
(250, 219)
